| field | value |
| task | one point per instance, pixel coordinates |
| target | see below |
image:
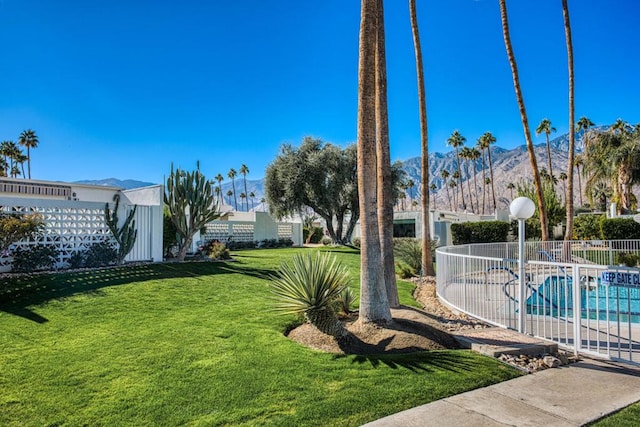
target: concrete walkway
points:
(569, 396)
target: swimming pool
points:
(554, 297)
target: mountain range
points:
(509, 166)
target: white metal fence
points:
(575, 293)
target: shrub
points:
(316, 236)
(620, 229)
(101, 254)
(327, 241)
(408, 251)
(588, 227)
(285, 243)
(77, 259)
(356, 241)
(345, 301)
(630, 260)
(38, 257)
(216, 250)
(404, 270)
(479, 232)
(15, 227)
(310, 286)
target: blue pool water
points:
(555, 297)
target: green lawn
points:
(628, 417)
(197, 344)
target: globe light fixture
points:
(522, 208)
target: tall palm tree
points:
(578, 162)
(511, 186)
(11, 152)
(243, 198)
(488, 139)
(465, 153)
(600, 193)
(252, 196)
(563, 178)
(433, 189)
(456, 140)
(445, 175)
(454, 186)
(385, 182)
(546, 128)
(409, 185)
(232, 176)
(480, 146)
(219, 178)
(568, 196)
(20, 159)
(29, 139)
(374, 304)
(525, 121)
(583, 126)
(427, 260)
(244, 170)
(456, 178)
(474, 155)
(229, 194)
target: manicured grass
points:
(628, 417)
(197, 344)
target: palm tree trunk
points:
(374, 305)
(28, 162)
(549, 157)
(525, 122)
(484, 183)
(572, 137)
(475, 184)
(446, 187)
(427, 259)
(466, 169)
(464, 204)
(493, 188)
(385, 187)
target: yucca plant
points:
(345, 301)
(310, 285)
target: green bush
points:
(316, 237)
(38, 257)
(356, 241)
(216, 250)
(311, 285)
(101, 254)
(327, 241)
(404, 270)
(408, 251)
(630, 260)
(285, 243)
(345, 301)
(588, 227)
(620, 229)
(76, 260)
(479, 232)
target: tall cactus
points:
(189, 197)
(126, 235)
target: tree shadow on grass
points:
(416, 360)
(19, 292)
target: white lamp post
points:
(522, 209)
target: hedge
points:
(479, 232)
(620, 229)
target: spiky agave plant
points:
(310, 285)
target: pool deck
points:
(573, 395)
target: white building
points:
(74, 215)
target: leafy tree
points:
(456, 140)
(244, 170)
(320, 176)
(555, 208)
(29, 139)
(525, 121)
(169, 232)
(16, 227)
(614, 156)
(189, 197)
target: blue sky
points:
(123, 88)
